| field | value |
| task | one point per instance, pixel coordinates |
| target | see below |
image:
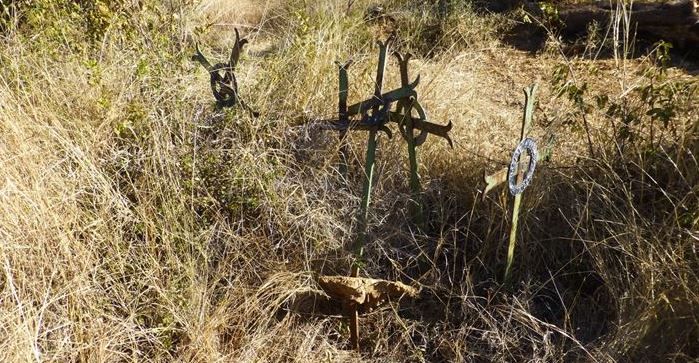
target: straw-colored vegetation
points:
(140, 223)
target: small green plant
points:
(565, 84)
(649, 105)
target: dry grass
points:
(139, 223)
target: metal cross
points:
(224, 84)
(518, 175)
(407, 126)
(375, 113)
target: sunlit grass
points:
(140, 223)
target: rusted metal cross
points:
(224, 84)
(374, 115)
(407, 124)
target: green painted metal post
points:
(529, 94)
(343, 117)
(416, 203)
(362, 237)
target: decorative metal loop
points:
(224, 88)
(529, 145)
(224, 84)
(413, 104)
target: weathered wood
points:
(360, 295)
(367, 294)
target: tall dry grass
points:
(140, 223)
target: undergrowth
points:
(142, 223)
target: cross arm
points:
(389, 97)
(422, 125)
(199, 57)
(338, 125)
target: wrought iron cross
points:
(375, 113)
(224, 84)
(407, 124)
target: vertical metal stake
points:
(405, 107)
(343, 117)
(369, 167)
(366, 195)
(529, 93)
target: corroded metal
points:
(375, 120)
(224, 84)
(406, 125)
(374, 114)
(378, 119)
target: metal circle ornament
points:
(529, 145)
(422, 116)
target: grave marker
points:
(518, 175)
(374, 115)
(224, 84)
